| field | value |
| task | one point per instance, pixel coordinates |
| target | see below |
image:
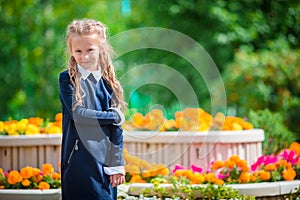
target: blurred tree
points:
(32, 41)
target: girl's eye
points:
(77, 51)
(91, 49)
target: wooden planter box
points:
(170, 148)
(17, 152)
(199, 148)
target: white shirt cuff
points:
(121, 115)
(114, 170)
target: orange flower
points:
(252, 177)
(244, 178)
(58, 117)
(36, 171)
(47, 168)
(234, 158)
(188, 173)
(44, 185)
(1, 170)
(218, 164)
(35, 121)
(14, 177)
(178, 173)
(289, 174)
(197, 178)
(137, 179)
(296, 147)
(26, 182)
(37, 178)
(146, 174)
(56, 176)
(264, 175)
(229, 164)
(270, 167)
(26, 172)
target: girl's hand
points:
(117, 179)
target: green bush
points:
(277, 135)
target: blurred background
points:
(254, 43)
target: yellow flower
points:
(26, 182)
(32, 129)
(14, 177)
(47, 168)
(44, 185)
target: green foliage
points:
(277, 135)
(181, 189)
(32, 40)
(268, 78)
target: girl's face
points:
(85, 50)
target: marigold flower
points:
(47, 168)
(137, 179)
(1, 170)
(14, 177)
(218, 164)
(36, 171)
(264, 175)
(197, 178)
(178, 172)
(244, 178)
(58, 117)
(56, 176)
(188, 173)
(26, 172)
(229, 164)
(26, 182)
(270, 167)
(44, 185)
(146, 174)
(289, 174)
(295, 146)
(234, 158)
(163, 171)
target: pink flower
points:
(289, 156)
(264, 160)
(195, 168)
(177, 167)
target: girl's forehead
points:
(85, 39)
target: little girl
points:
(92, 146)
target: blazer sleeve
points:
(81, 114)
(115, 157)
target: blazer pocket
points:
(75, 148)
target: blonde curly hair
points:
(89, 27)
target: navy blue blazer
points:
(90, 141)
